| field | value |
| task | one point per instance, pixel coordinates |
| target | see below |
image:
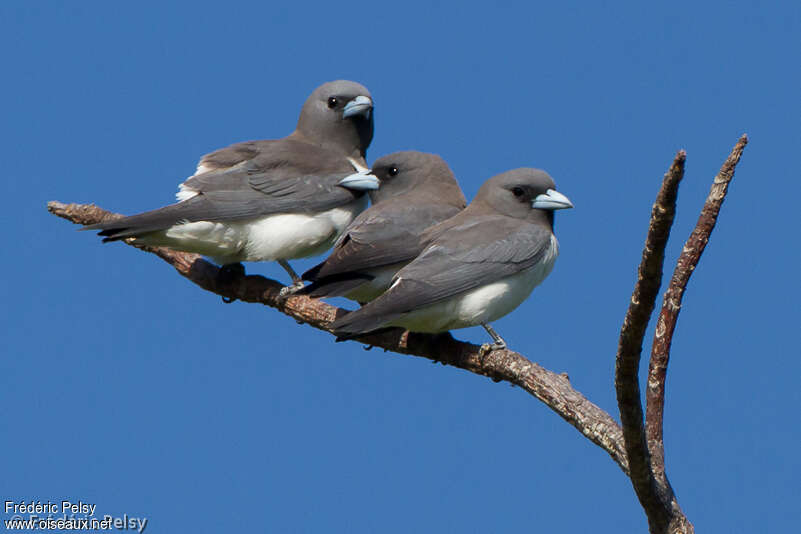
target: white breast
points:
(290, 236)
(483, 304)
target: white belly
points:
(483, 304)
(274, 237)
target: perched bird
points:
(480, 268)
(418, 190)
(272, 199)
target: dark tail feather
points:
(361, 321)
(335, 285)
(330, 287)
(144, 223)
(346, 337)
(312, 274)
(122, 235)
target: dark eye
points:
(392, 171)
(332, 102)
(517, 191)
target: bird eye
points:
(332, 102)
(517, 191)
(392, 171)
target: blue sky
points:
(126, 386)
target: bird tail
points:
(336, 285)
(327, 288)
(366, 319)
(145, 223)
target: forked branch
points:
(643, 439)
(666, 323)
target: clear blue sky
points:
(126, 386)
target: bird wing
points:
(284, 177)
(380, 237)
(480, 251)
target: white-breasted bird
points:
(418, 190)
(271, 199)
(487, 262)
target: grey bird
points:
(272, 199)
(418, 190)
(487, 262)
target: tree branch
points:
(637, 448)
(671, 305)
(630, 345)
(551, 388)
(644, 443)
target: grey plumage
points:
(238, 189)
(481, 267)
(285, 176)
(418, 191)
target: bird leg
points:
(297, 282)
(227, 275)
(497, 341)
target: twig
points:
(630, 345)
(671, 305)
(551, 388)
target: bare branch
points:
(644, 443)
(551, 388)
(671, 305)
(630, 345)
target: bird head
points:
(427, 174)
(339, 115)
(524, 194)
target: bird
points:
(481, 267)
(418, 190)
(270, 199)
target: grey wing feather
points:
(290, 177)
(458, 263)
(479, 252)
(392, 235)
(231, 155)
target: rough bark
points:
(668, 316)
(632, 333)
(643, 439)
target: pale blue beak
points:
(551, 200)
(361, 181)
(361, 105)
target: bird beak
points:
(364, 180)
(361, 105)
(551, 200)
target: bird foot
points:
(486, 348)
(497, 344)
(291, 290)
